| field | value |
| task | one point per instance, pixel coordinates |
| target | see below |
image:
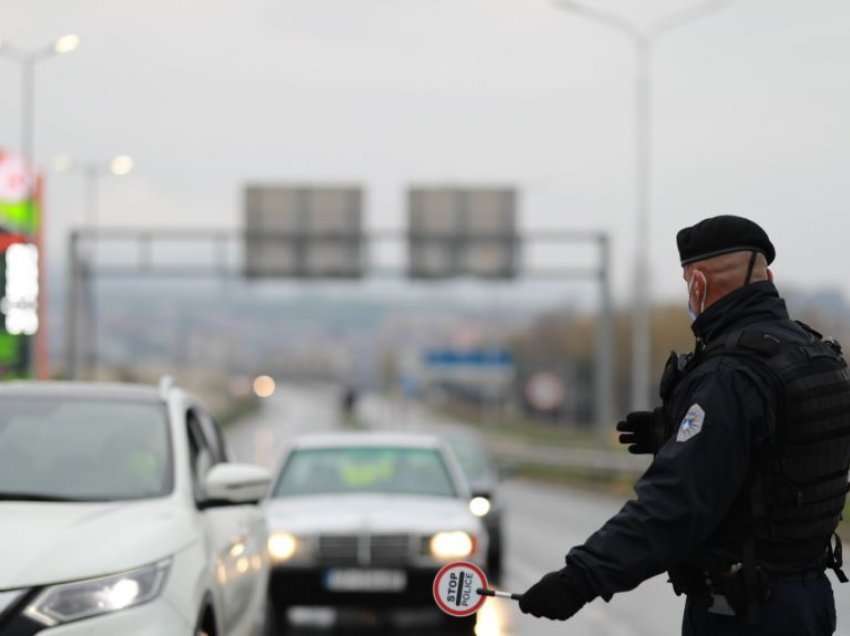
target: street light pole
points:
(27, 60)
(643, 40)
(27, 113)
(92, 172)
(91, 177)
(81, 286)
(642, 307)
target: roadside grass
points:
(531, 431)
(613, 483)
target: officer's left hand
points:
(644, 432)
(553, 597)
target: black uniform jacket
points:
(700, 473)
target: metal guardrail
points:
(386, 414)
(565, 457)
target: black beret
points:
(722, 235)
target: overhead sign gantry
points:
(317, 232)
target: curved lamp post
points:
(27, 60)
(93, 171)
(643, 40)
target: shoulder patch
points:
(691, 424)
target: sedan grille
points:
(390, 549)
(378, 549)
(339, 550)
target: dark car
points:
(483, 478)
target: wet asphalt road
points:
(542, 524)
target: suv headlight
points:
(286, 548)
(452, 545)
(83, 599)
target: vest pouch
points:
(732, 585)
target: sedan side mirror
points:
(234, 484)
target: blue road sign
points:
(480, 358)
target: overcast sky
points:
(752, 112)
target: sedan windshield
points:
(83, 450)
(473, 459)
(407, 471)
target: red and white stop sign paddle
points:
(460, 589)
(457, 589)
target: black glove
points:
(644, 431)
(557, 596)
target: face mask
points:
(692, 314)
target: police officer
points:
(752, 449)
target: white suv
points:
(120, 514)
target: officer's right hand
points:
(556, 597)
(644, 431)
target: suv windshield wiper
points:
(33, 496)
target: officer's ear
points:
(770, 275)
(697, 288)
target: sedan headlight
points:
(452, 545)
(282, 546)
(83, 599)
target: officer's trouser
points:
(800, 605)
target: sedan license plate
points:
(365, 580)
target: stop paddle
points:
(461, 588)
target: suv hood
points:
(332, 514)
(46, 543)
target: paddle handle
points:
(498, 594)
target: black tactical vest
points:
(799, 482)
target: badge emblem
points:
(691, 424)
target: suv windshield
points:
(83, 450)
(407, 471)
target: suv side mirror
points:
(235, 484)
